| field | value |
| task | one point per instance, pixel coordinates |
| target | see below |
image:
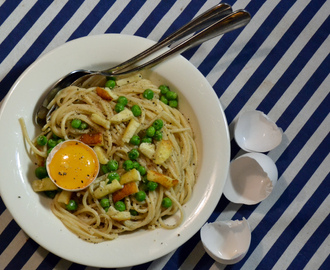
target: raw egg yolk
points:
(72, 165)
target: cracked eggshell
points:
(251, 179)
(228, 241)
(255, 132)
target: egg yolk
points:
(74, 165)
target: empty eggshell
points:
(255, 132)
(251, 178)
(228, 241)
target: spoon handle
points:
(229, 23)
(205, 19)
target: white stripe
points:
(160, 263)
(5, 219)
(24, 44)
(283, 64)
(109, 17)
(262, 52)
(307, 231)
(13, 248)
(168, 19)
(36, 259)
(320, 255)
(71, 25)
(205, 48)
(294, 208)
(140, 17)
(290, 173)
(14, 18)
(241, 41)
(194, 257)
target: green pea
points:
(119, 107)
(133, 212)
(72, 205)
(158, 135)
(83, 126)
(50, 193)
(75, 123)
(152, 185)
(163, 89)
(120, 206)
(133, 154)
(140, 196)
(164, 99)
(42, 140)
(51, 143)
(136, 164)
(170, 95)
(135, 140)
(112, 176)
(128, 165)
(142, 170)
(148, 94)
(110, 83)
(49, 150)
(136, 110)
(173, 103)
(112, 165)
(105, 203)
(150, 132)
(166, 202)
(41, 172)
(122, 100)
(104, 169)
(158, 124)
(59, 141)
(146, 140)
(55, 137)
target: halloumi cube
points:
(64, 197)
(130, 176)
(104, 190)
(101, 154)
(117, 215)
(45, 184)
(128, 189)
(163, 151)
(106, 93)
(162, 179)
(130, 130)
(97, 119)
(147, 149)
(123, 116)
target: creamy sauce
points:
(72, 165)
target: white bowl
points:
(197, 101)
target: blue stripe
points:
(22, 28)
(8, 235)
(265, 68)
(296, 66)
(326, 263)
(313, 243)
(123, 19)
(39, 44)
(23, 255)
(49, 262)
(7, 8)
(305, 93)
(92, 19)
(153, 19)
(306, 213)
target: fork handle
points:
(205, 19)
(229, 23)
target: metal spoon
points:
(225, 24)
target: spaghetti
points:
(164, 169)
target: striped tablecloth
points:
(278, 64)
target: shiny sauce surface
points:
(72, 165)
